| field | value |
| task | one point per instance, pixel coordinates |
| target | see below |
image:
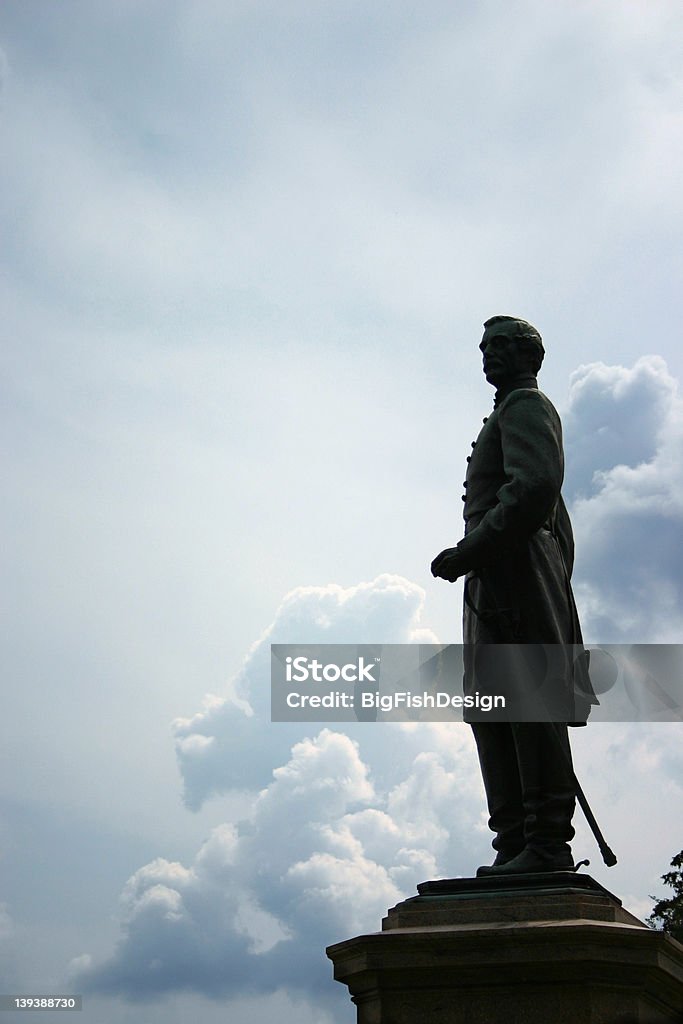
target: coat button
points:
(464, 483)
(469, 458)
(463, 497)
(484, 419)
(474, 444)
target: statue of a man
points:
(517, 556)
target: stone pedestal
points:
(529, 949)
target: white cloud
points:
(231, 743)
(331, 841)
(615, 417)
(627, 426)
(309, 866)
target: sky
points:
(247, 251)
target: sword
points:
(608, 855)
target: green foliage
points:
(667, 915)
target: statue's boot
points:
(530, 862)
(498, 760)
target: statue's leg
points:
(547, 787)
(548, 800)
(498, 760)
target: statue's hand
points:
(447, 565)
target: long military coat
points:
(519, 549)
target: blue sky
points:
(247, 252)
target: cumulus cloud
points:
(312, 864)
(341, 828)
(230, 743)
(615, 417)
(625, 485)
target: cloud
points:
(230, 743)
(615, 417)
(632, 776)
(333, 837)
(626, 428)
(255, 150)
(316, 861)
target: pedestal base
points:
(527, 949)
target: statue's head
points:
(511, 348)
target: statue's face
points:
(503, 356)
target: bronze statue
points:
(517, 556)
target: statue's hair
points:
(528, 335)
